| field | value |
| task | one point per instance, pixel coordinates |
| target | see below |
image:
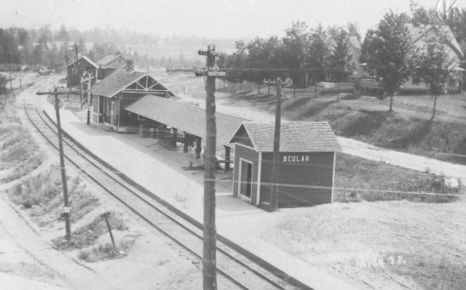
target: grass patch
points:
(89, 234)
(18, 150)
(105, 252)
(35, 191)
(431, 273)
(25, 167)
(364, 123)
(43, 194)
(380, 181)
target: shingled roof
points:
(294, 136)
(86, 59)
(116, 82)
(107, 60)
(184, 117)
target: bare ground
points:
(380, 245)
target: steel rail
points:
(172, 219)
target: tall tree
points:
(295, 48)
(8, 47)
(390, 53)
(317, 58)
(433, 68)
(62, 34)
(339, 57)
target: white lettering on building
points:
(296, 158)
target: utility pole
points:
(89, 98)
(9, 71)
(66, 208)
(76, 50)
(209, 253)
(67, 68)
(276, 146)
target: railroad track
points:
(235, 264)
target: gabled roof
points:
(294, 136)
(184, 117)
(106, 62)
(423, 34)
(87, 60)
(116, 82)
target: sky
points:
(202, 18)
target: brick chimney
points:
(129, 65)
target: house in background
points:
(422, 36)
(354, 53)
(110, 64)
(76, 70)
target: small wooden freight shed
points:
(307, 163)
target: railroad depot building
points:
(118, 90)
(77, 69)
(307, 163)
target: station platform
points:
(163, 171)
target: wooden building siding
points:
(305, 178)
(76, 70)
(247, 154)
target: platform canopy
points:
(184, 117)
(294, 136)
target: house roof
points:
(354, 42)
(185, 117)
(423, 34)
(106, 62)
(294, 136)
(116, 82)
(87, 60)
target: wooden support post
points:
(89, 84)
(175, 136)
(141, 130)
(227, 157)
(105, 216)
(185, 143)
(20, 84)
(276, 148)
(198, 148)
(81, 97)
